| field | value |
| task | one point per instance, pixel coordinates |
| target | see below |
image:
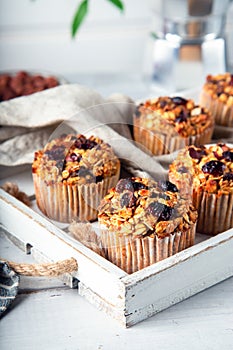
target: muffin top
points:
(174, 116)
(75, 159)
(211, 167)
(143, 207)
(220, 87)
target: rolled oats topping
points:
(76, 159)
(143, 207)
(220, 87)
(211, 167)
(174, 115)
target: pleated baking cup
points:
(222, 113)
(215, 212)
(159, 143)
(133, 254)
(64, 203)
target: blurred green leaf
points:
(154, 35)
(79, 16)
(118, 4)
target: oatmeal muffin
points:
(71, 175)
(207, 172)
(166, 124)
(217, 96)
(143, 221)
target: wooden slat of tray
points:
(128, 298)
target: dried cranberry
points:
(60, 165)
(228, 155)
(220, 90)
(166, 213)
(196, 153)
(80, 142)
(56, 153)
(228, 177)
(74, 173)
(218, 156)
(182, 117)
(124, 184)
(89, 144)
(75, 157)
(83, 171)
(137, 110)
(155, 208)
(162, 103)
(213, 167)
(179, 100)
(231, 81)
(159, 210)
(99, 178)
(139, 186)
(167, 186)
(127, 200)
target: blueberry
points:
(167, 186)
(124, 184)
(213, 167)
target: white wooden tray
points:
(128, 298)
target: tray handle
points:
(46, 269)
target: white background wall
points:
(35, 34)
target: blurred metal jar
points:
(192, 41)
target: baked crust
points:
(210, 169)
(174, 116)
(220, 87)
(75, 159)
(140, 207)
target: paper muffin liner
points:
(215, 212)
(64, 202)
(159, 143)
(222, 113)
(133, 254)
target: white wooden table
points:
(48, 315)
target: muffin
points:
(207, 172)
(166, 124)
(143, 221)
(217, 96)
(71, 175)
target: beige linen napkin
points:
(39, 117)
(27, 122)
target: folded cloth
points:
(27, 122)
(77, 109)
